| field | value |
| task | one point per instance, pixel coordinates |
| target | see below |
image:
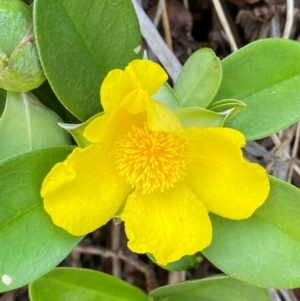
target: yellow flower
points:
(170, 177)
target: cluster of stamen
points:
(151, 160)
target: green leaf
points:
(79, 42)
(265, 75)
(182, 264)
(46, 95)
(26, 125)
(260, 249)
(201, 117)
(199, 79)
(235, 106)
(167, 97)
(31, 244)
(210, 289)
(79, 285)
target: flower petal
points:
(115, 87)
(135, 102)
(221, 178)
(135, 109)
(85, 191)
(161, 118)
(146, 75)
(111, 127)
(169, 225)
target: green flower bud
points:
(20, 68)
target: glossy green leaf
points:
(66, 284)
(26, 125)
(201, 117)
(30, 243)
(265, 75)
(235, 106)
(79, 42)
(46, 95)
(167, 97)
(264, 249)
(199, 79)
(182, 264)
(210, 289)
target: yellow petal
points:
(161, 118)
(136, 109)
(169, 225)
(221, 178)
(85, 191)
(146, 75)
(115, 87)
(111, 127)
(98, 128)
(135, 102)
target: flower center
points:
(151, 160)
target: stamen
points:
(151, 160)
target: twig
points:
(289, 19)
(156, 43)
(175, 277)
(278, 150)
(275, 26)
(296, 142)
(264, 31)
(158, 12)
(281, 145)
(281, 149)
(294, 152)
(116, 237)
(225, 24)
(273, 295)
(142, 267)
(186, 4)
(166, 25)
(288, 295)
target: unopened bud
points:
(20, 68)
